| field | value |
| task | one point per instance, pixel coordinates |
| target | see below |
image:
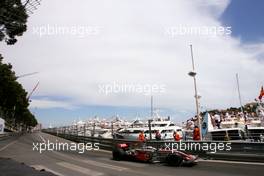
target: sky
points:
(88, 55)
(245, 18)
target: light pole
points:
(193, 74)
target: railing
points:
(227, 150)
(3, 136)
(187, 135)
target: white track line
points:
(103, 151)
(40, 167)
(42, 138)
(231, 162)
(82, 170)
(94, 163)
(127, 163)
(11, 143)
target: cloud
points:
(48, 104)
(216, 7)
(132, 46)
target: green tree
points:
(13, 18)
(13, 99)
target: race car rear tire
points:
(174, 160)
(118, 154)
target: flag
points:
(261, 94)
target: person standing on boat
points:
(226, 138)
(157, 135)
(141, 137)
(218, 120)
(176, 136)
(196, 134)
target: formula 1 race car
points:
(126, 151)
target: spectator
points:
(157, 135)
(226, 138)
(176, 136)
(196, 133)
(141, 137)
(217, 120)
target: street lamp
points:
(193, 74)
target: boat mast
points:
(151, 106)
(239, 95)
(150, 120)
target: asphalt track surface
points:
(99, 163)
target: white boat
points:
(255, 126)
(231, 129)
(97, 127)
(234, 128)
(157, 123)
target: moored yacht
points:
(255, 125)
(231, 129)
(235, 127)
(157, 123)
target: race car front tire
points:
(174, 159)
(118, 154)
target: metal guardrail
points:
(239, 150)
(4, 136)
(90, 130)
(9, 134)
